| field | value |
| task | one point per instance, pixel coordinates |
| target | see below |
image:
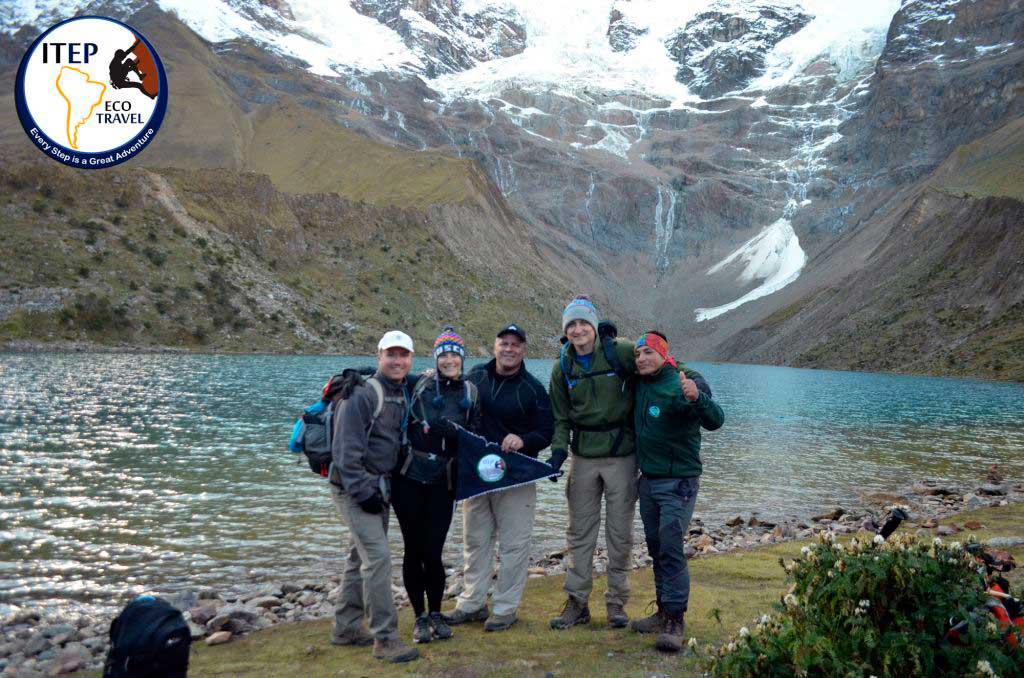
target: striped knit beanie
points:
(449, 341)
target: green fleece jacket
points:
(668, 425)
(596, 402)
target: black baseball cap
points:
(513, 328)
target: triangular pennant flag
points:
(484, 468)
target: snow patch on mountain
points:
(567, 51)
(773, 255)
(850, 35)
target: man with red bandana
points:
(592, 405)
(668, 416)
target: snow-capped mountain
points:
(712, 151)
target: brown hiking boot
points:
(671, 638)
(652, 624)
(617, 617)
(573, 613)
(394, 650)
(355, 635)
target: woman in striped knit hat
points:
(422, 488)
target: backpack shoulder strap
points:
(378, 390)
(425, 380)
(564, 362)
(612, 356)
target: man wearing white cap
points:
(369, 431)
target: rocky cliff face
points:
(722, 50)
(446, 38)
(704, 168)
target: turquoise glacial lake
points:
(123, 473)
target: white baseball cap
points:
(395, 339)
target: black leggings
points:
(424, 513)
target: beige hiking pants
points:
(615, 479)
(508, 516)
(366, 580)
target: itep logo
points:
(91, 92)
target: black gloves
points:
(448, 429)
(558, 458)
(373, 504)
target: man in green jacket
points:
(668, 418)
(592, 404)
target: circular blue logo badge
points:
(491, 468)
(654, 411)
(91, 92)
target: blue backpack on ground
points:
(149, 638)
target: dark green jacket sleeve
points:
(710, 412)
(559, 392)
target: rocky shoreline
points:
(31, 647)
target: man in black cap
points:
(516, 415)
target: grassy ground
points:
(729, 590)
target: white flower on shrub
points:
(692, 643)
(879, 539)
(937, 541)
(744, 632)
(790, 600)
(985, 669)
(806, 551)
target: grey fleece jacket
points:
(363, 453)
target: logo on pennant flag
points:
(491, 468)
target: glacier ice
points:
(774, 255)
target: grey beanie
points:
(580, 308)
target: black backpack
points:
(317, 422)
(149, 638)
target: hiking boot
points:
(457, 616)
(652, 624)
(671, 638)
(573, 613)
(354, 635)
(500, 622)
(617, 617)
(394, 650)
(440, 629)
(421, 633)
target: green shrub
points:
(95, 313)
(155, 256)
(873, 609)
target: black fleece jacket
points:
(516, 404)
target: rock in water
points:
(992, 490)
(834, 514)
